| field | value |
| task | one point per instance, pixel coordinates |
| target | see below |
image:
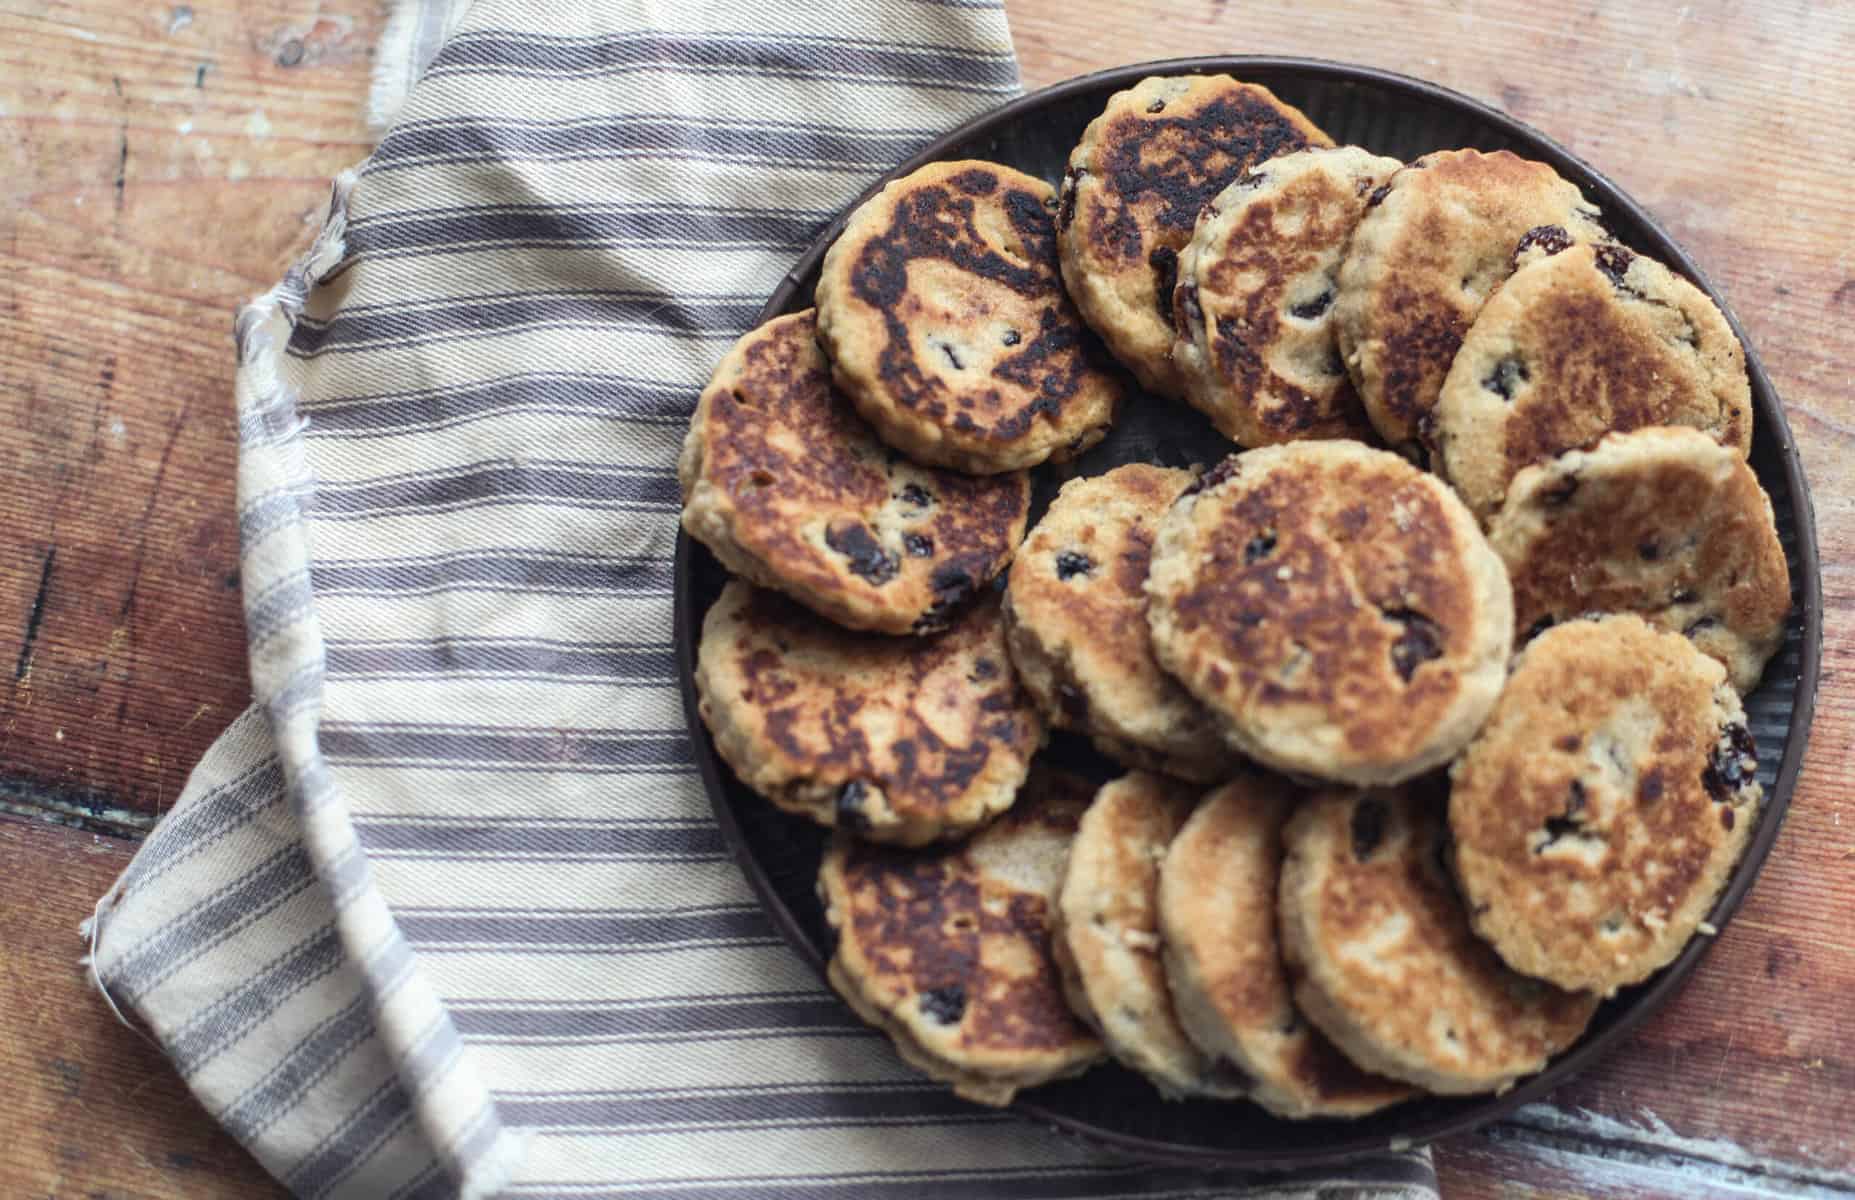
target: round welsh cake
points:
(1385, 961)
(1578, 344)
(1663, 522)
(1254, 305)
(790, 488)
(948, 948)
(1131, 195)
(1075, 618)
(1337, 608)
(900, 739)
(941, 307)
(1601, 809)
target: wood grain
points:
(158, 166)
(162, 163)
(93, 1110)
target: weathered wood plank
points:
(93, 1110)
(158, 165)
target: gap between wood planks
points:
(74, 807)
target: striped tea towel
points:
(444, 914)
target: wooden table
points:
(161, 163)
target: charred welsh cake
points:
(1223, 960)
(948, 949)
(941, 307)
(1254, 305)
(1075, 618)
(1131, 196)
(1384, 960)
(1108, 937)
(1338, 610)
(1664, 522)
(899, 739)
(1588, 341)
(1437, 238)
(1602, 807)
(791, 489)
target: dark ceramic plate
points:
(1389, 114)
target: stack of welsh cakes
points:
(1416, 720)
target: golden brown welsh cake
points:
(1601, 809)
(900, 739)
(1437, 238)
(1385, 962)
(1578, 344)
(790, 488)
(948, 949)
(1254, 305)
(941, 307)
(1075, 618)
(1108, 941)
(1663, 522)
(1337, 608)
(1131, 195)
(1217, 901)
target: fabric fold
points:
(444, 914)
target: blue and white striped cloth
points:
(444, 913)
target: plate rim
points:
(1807, 600)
